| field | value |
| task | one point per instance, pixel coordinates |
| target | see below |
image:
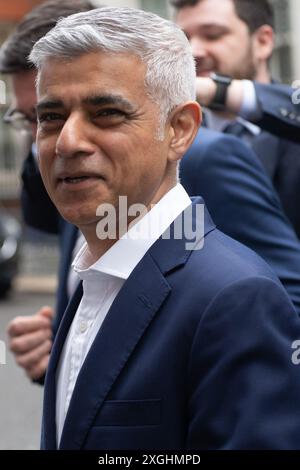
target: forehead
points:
(122, 74)
(207, 12)
(23, 84)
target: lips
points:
(203, 70)
(203, 73)
(74, 178)
(78, 181)
(204, 67)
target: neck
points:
(263, 74)
(99, 247)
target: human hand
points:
(206, 89)
(30, 340)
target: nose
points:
(198, 49)
(73, 139)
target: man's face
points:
(220, 41)
(96, 135)
(24, 97)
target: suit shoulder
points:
(208, 138)
(224, 261)
(214, 149)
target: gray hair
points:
(170, 78)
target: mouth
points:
(75, 180)
(203, 72)
(78, 181)
(204, 67)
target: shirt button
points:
(83, 326)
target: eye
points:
(214, 36)
(110, 112)
(49, 117)
(109, 117)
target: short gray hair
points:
(170, 78)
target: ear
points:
(263, 42)
(185, 121)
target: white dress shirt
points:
(73, 278)
(101, 283)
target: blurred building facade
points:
(286, 60)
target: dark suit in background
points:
(243, 203)
(280, 111)
(280, 157)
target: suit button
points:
(292, 116)
(284, 112)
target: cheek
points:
(34, 131)
(44, 170)
(223, 50)
(154, 164)
(45, 163)
(238, 44)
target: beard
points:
(245, 69)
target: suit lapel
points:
(49, 425)
(69, 236)
(128, 318)
(267, 148)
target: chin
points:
(203, 74)
(78, 216)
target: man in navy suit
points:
(235, 38)
(212, 157)
(171, 341)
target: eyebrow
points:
(101, 100)
(217, 26)
(48, 104)
(94, 100)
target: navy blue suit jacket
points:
(243, 203)
(280, 156)
(282, 118)
(195, 353)
(280, 111)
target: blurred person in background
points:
(234, 39)
(31, 336)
